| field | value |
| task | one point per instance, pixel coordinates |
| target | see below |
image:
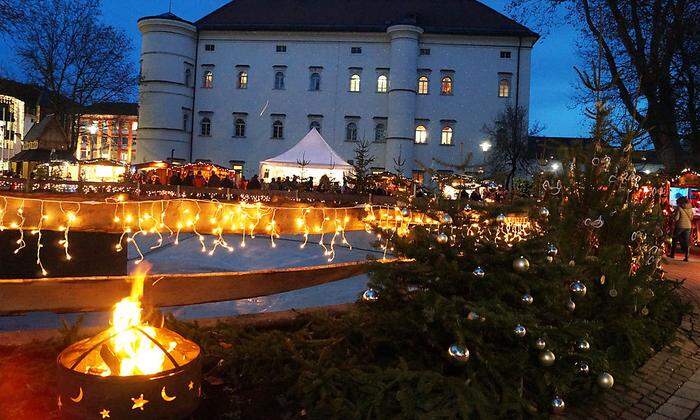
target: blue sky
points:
(553, 59)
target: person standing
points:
(683, 221)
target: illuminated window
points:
(351, 132)
(417, 176)
(504, 88)
(423, 85)
(315, 82)
(279, 80)
(421, 135)
(379, 133)
(382, 84)
(205, 127)
(277, 130)
(446, 86)
(446, 136)
(243, 80)
(208, 79)
(316, 125)
(355, 83)
(239, 127)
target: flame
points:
(137, 354)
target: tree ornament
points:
(540, 344)
(501, 218)
(544, 212)
(552, 250)
(442, 238)
(549, 259)
(558, 405)
(602, 279)
(458, 352)
(521, 264)
(583, 345)
(571, 305)
(527, 299)
(467, 207)
(613, 293)
(578, 288)
(473, 316)
(605, 380)
(582, 367)
(572, 263)
(446, 219)
(547, 358)
(479, 272)
(519, 331)
(644, 311)
(370, 295)
(405, 212)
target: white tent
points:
(311, 157)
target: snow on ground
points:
(257, 254)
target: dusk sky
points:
(553, 76)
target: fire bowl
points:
(91, 386)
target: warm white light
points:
(92, 129)
(485, 146)
(555, 166)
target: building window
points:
(279, 80)
(208, 79)
(239, 128)
(423, 85)
(355, 83)
(446, 137)
(382, 84)
(315, 82)
(209, 47)
(505, 54)
(188, 77)
(237, 166)
(316, 125)
(185, 121)
(356, 50)
(281, 48)
(504, 88)
(425, 51)
(417, 176)
(243, 79)
(351, 132)
(205, 127)
(446, 86)
(421, 135)
(277, 130)
(380, 133)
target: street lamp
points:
(555, 166)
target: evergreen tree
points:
(361, 167)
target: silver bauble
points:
(571, 305)
(544, 212)
(540, 344)
(467, 207)
(578, 288)
(459, 352)
(521, 264)
(370, 295)
(442, 238)
(583, 345)
(547, 358)
(446, 219)
(558, 405)
(519, 331)
(605, 380)
(501, 218)
(549, 259)
(405, 212)
(479, 272)
(473, 316)
(552, 250)
(583, 368)
(613, 293)
(527, 299)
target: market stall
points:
(101, 170)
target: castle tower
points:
(402, 96)
(167, 82)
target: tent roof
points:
(312, 149)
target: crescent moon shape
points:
(165, 395)
(79, 397)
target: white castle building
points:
(417, 78)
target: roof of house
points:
(31, 95)
(39, 129)
(112, 108)
(43, 155)
(468, 17)
(166, 15)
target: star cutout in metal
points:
(139, 402)
(104, 413)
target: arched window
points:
(315, 82)
(351, 132)
(205, 127)
(446, 86)
(243, 80)
(421, 135)
(188, 77)
(379, 133)
(277, 130)
(279, 80)
(446, 137)
(316, 125)
(208, 79)
(355, 83)
(504, 88)
(239, 127)
(382, 84)
(423, 85)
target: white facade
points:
(171, 113)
